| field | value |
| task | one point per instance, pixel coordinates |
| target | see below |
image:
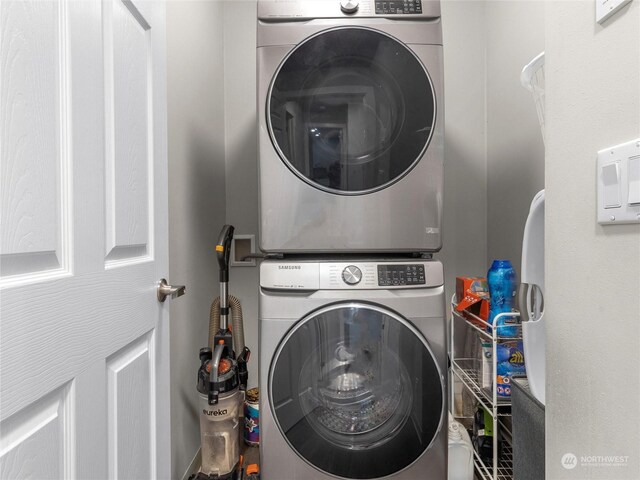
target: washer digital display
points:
(399, 7)
(395, 275)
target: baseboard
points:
(194, 466)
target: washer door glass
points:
(356, 391)
(351, 110)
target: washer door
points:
(351, 110)
(356, 391)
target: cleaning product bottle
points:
(509, 363)
(252, 418)
(503, 284)
(460, 452)
(483, 436)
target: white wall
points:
(241, 146)
(491, 134)
(464, 250)
(196, 200)
(515, 150)
(494, 154)
(592, 272)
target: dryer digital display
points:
(351, 110)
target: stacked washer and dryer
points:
(353, 349)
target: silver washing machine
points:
(350, 108)
(352, 370)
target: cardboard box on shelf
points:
(472, 295)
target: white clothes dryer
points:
(350, 108)
(352, 370)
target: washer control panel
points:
(395, 7)
(281, 10)
(401, 275)
(349, 6)
(353, 275)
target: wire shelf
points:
(505, 465)
(486, 329)
(463, 369)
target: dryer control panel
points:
(354, 275)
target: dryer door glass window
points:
(351, 110)
(356, 391)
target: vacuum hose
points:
(236, 321)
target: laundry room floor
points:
(251, 455)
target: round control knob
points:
(352, 275)
(349, 6)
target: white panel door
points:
(84, 346)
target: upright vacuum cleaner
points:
(222, 380)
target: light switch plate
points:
(618, 173)
(611, 183)
(606, 8)
(634, 181)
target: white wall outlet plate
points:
(619, 184)
(606, 8)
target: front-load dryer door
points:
(356, 391)
(351, 110)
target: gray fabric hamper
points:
(528, 432)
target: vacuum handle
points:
(218, 353)
(223, 251)
(243, 374)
